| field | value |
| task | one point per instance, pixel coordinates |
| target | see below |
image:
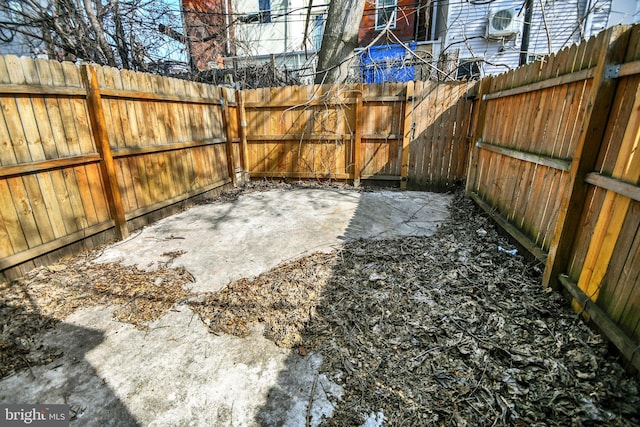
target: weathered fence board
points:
(40, 202)
(439, 148)
(528, 135)
(607, 247)
(300, 132)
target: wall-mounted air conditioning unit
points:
(503, 23)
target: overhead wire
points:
(297, 15)
(403, 12)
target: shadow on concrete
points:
(302, 395)
(50, 363)
(395, 214)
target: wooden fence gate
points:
(415, 133)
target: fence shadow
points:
(301, 394)
(51, 365)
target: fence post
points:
(407, 134)
(610, 50)
(231, 164)
(101, 139)
(477, 127)
(357, 137)
(242, 126)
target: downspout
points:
(526, 31)
(434, 19)
(227, 24)
(416, 21)
(286, 24)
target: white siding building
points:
(274, 30)
(470, 41)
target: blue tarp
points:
(379, 64)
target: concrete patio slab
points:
(177, 373)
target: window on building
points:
(318, 30)
(265, 11)
(468, 69)
(533, 57)
(262, 17)
(385, 12)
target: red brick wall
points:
(205, 28)
(405, 23)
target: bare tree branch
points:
(119, 33)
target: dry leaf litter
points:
(49, 294)
(451, 329)
(283, 299)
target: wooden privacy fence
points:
(556, 163)
(86, 152)
(413, 132)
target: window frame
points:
(533, 57)
(394, 14)
(471, 63)
(264, 14)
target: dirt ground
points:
(308, 306)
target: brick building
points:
(208, 31)
(407, 21)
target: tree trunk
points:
(99, 33)
(339, 40)
(121, 41)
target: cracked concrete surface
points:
(177, 373)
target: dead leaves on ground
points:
(445, 330)
(283, 299)
(49, 294)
